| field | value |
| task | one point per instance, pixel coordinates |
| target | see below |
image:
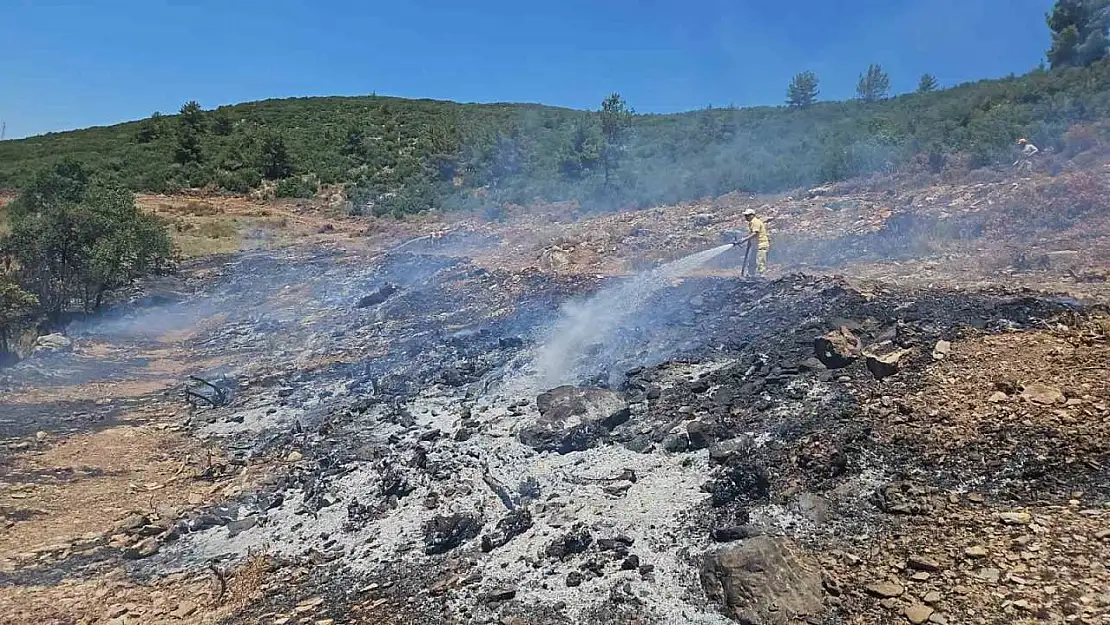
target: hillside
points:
(404, 156)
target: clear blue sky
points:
(93, 62)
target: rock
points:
(886, 365)
(294, 456)
(938, 619)
(631, 563)
(1042, 394)
(377, 296)
(989, 575)
(143, 549)
(574, 579)
(238, 527)
(885, 590)
(116, 610)
(764, 580)
(727, 452)
(507, 528)
(574, 418)
(676, 443)
(931, 597)
(699, 434)
(941, 350)
(998, 397)
(51, 344)
(837, 349)
(976, 552)
(40, 437)
(923, 563)
(918, 613)
(131, 524)
(1015, 518)
(502, 593)
(577, 540)
(444, 533)
(729, 533)
(184, 609)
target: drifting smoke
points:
(588, 324)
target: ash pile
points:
(683, 468)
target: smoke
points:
(590, 327)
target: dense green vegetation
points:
(73, 238)
(409, 155)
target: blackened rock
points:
(729, 533)
(574, 579)
(498, 594)
(639, 444)
(444, 533)
(615, 543)
(700, 435)
(631, 563)
(574, 418)
(510, 342)
(838, 348)
(886, 365)
(764, 581)
(377, 296)
(238, 527)
(509, 527)
(577, 540)
(744, 482)
(676, 443)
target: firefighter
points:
(1028, 150)
(758, 231)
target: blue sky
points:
(93, 62)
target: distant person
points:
(1025, 161)
(757, 231)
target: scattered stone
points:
(699, 434)
(838, 348)
(574, 418)
(886, 365)
(938, 619)
(676, 443)
(294, 456)
(923, 563)
(1015, 518)
(885, 590)
(764, 580)
(975, 498)
(1042, 394)
(503, 593)
(932, 597)
(727, 452)
(574, 579)
(131, 524)
(998, 397)
(813, 507)
(989, 575)
(941, 350)
(918, 613)
(976, 552)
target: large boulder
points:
(574, 418)
(838, 348)
(764, 581)
(52, 344)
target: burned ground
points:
(298, 435)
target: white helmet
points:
(749, 212)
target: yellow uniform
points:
(763, 243)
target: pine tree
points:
(927, 84)
(873, 85)
(1079, 32)
(616, 118)
(802, 91)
